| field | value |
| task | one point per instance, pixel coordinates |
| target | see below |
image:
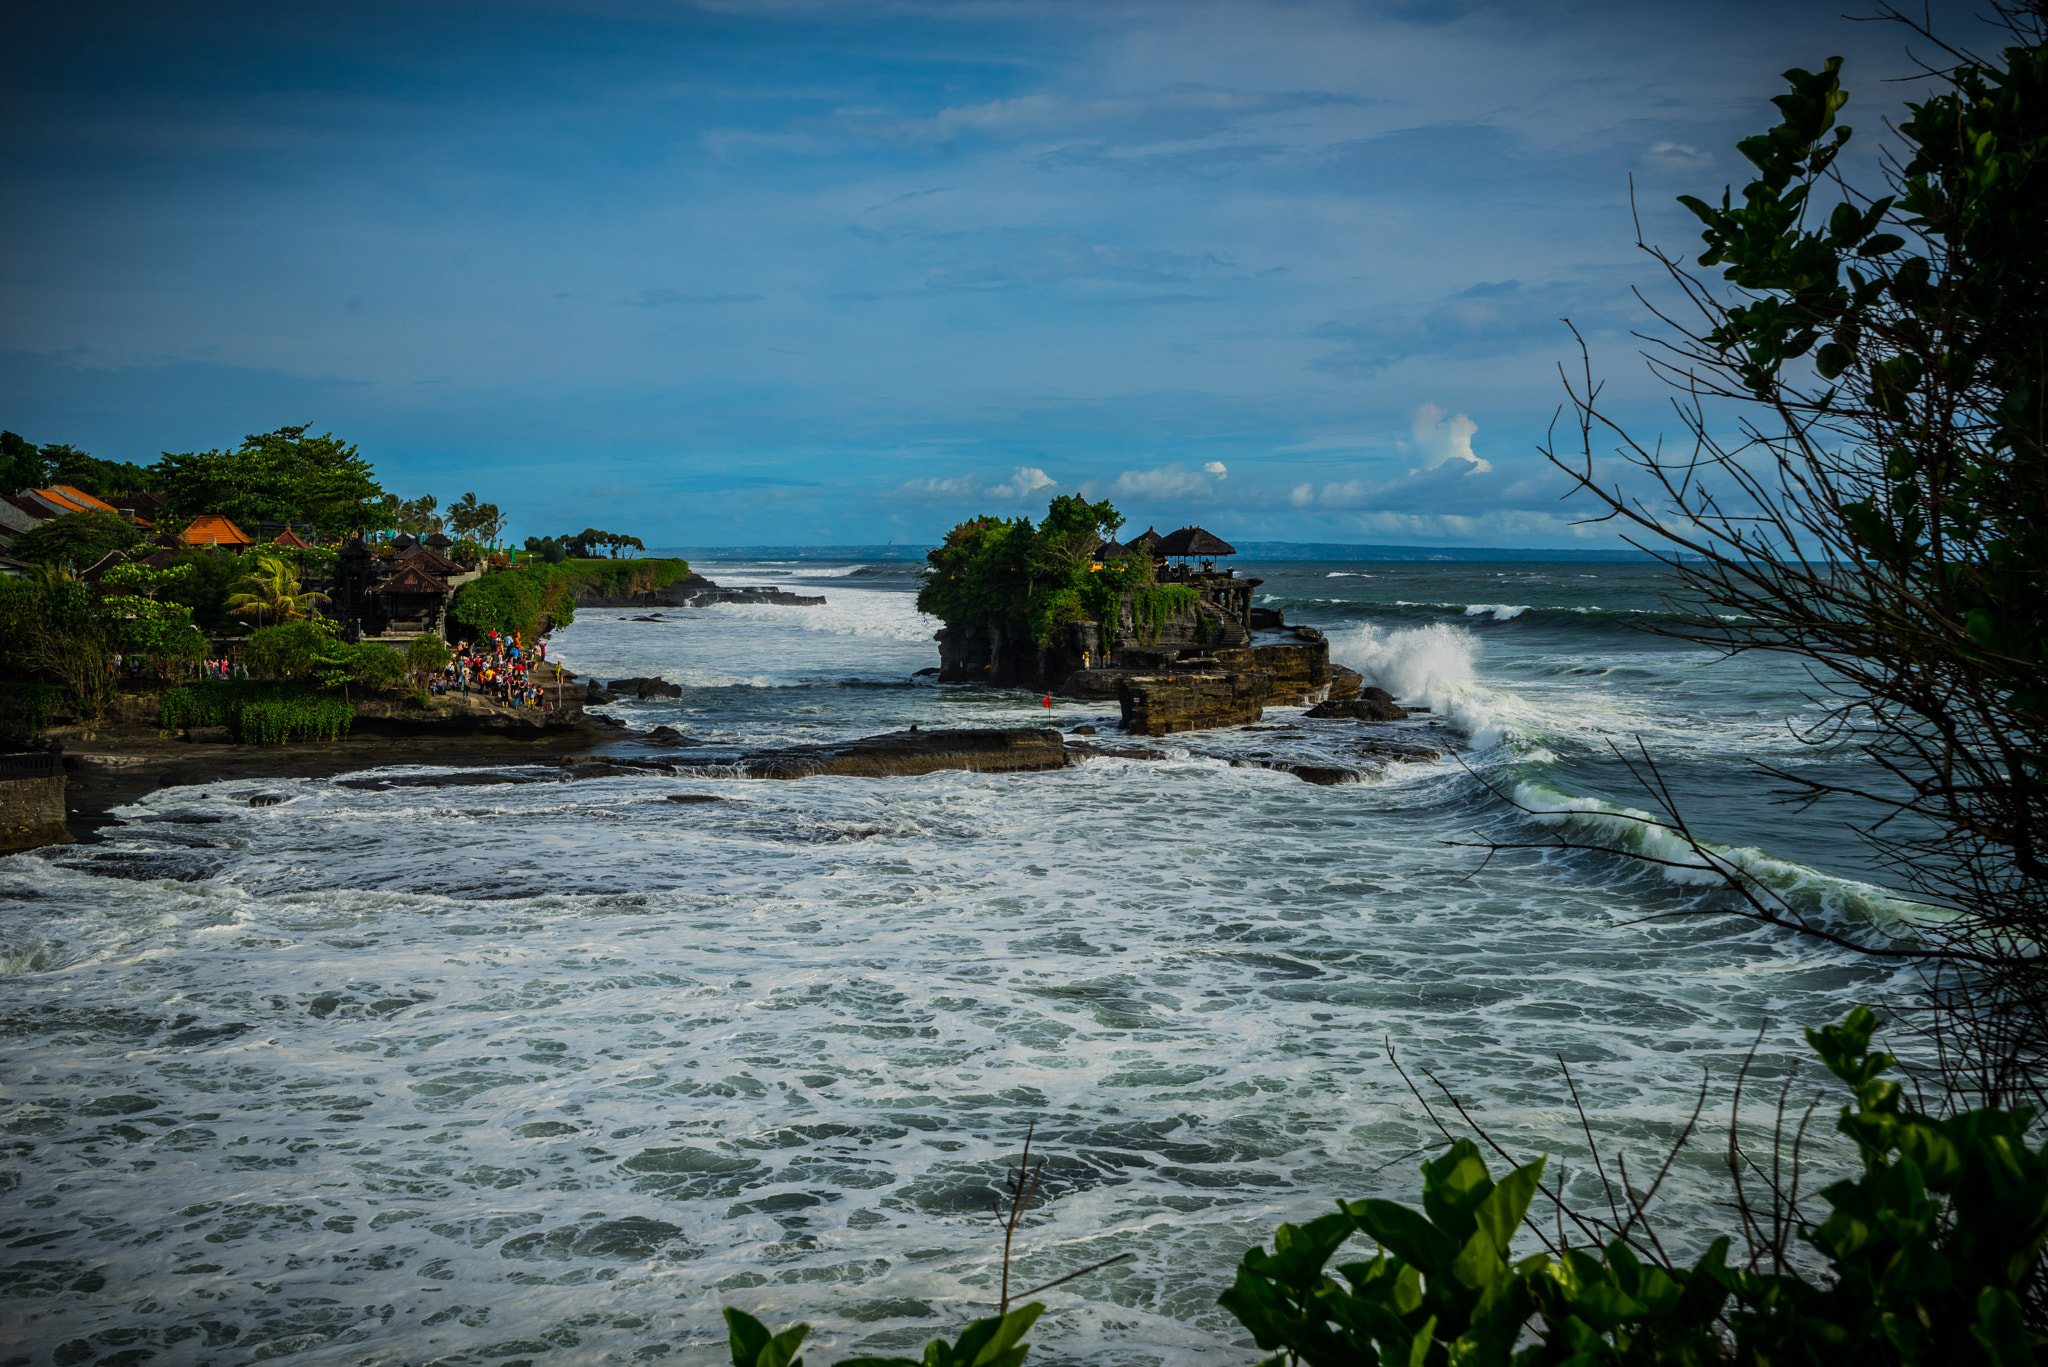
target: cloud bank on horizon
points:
(786, 271)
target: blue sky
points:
(727, 273)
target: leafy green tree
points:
(427, 654)
(1880, 512)
(22, 465)
(980, 573)
(162, 632)
(51, 624)
(76, 539)
(290, 650)
(207, 581)
(103, 479)
(282, 476)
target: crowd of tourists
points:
(499, 667)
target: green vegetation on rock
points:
(538, 596)
(1007, 572)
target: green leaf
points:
(2001, 1329)
(1500, 1214)
(1406, 1234)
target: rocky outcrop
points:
(901, 753)
(1191, 699)
(1004, 656)
(1344, 682)
(642, 689)
(1300, 668)
(697, 592)
(691, 591)
(1360, 709)
(466, 714)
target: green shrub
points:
(992, 1342)
(1928, 1254)
(78, 539)
(36, 702)
(259, 713)
(426, 654)
(289, 650)
(530, 601)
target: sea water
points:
(545, 1071)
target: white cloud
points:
(1025, 481)
(1164, 481)
(1440, 439)
(1303, 496)
(1677, 156)
(1028, 480)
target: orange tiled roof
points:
(77, 500)
(287, 538)
(211, 529)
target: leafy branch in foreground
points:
(1865, 489)
(1928, 1252)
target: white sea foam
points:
(1499, 612)
(570, 1063)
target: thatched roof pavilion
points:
(1193, 543)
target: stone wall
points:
(32, 811)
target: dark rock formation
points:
(1191, 699)
(692, 591)
(1345, 681)
(643, 689)
(1361, 709)
(697, 592)
(900, 753)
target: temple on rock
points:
(1182, 648)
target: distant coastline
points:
(1246, 550)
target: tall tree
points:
(283, 476)
(22, 465)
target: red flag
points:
(1048, 702)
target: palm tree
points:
(271, 594)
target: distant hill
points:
(1246, 550)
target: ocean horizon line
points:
(1246, 550)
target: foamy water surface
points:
(545, 1071)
